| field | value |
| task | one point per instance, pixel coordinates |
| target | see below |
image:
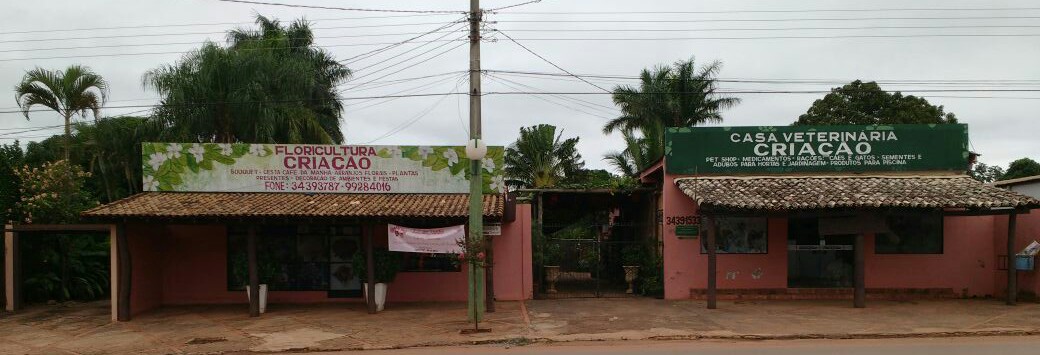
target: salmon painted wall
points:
(967, 264)
(1027, 229)
(187, 264)
(145, 244)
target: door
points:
(818, 261)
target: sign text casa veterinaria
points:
(213, 167)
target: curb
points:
(521, 340)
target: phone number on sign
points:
(340, 186)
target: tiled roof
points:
(252, 204)
(798, 192)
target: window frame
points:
(941, 233)
(704, 237)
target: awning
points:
(252, 204)
(816, 192)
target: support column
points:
(1012, 271)
(12, 270)
(370, 266)
(254, 276)
(859, 298)
(122, 273)
(712, 263)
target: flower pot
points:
(263, 297)
(380, 295)
(552, 274)
(631, 272)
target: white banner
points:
(432, 240)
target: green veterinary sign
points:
(212, 167)
(783, 149)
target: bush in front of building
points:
(387, 264)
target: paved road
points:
(937, 346)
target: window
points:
(295, 258)
(739, 235)
(911, 233)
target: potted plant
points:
(267, 270)
(631, 257)
(386, 263)
(551, 256)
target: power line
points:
(780, 37)
(768, 29)
(766, 11)
(186, 52)
(549, 61)
(211, 32)
(415, 119)
(610, 110)
(789, 81)
(344, 8)
(410, 66)
(569, 107)
(207, 24)
(514, 5)
(371, 53)
(446, 34)
(779, 19)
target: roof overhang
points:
(797, 193)
(253, 205)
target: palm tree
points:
(639, 153)
(541, 158)
(113, 145)
(77, 89)
(271, 85)
(679, 95)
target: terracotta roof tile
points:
(796, 192)
(236, 204)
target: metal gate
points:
(588, 266)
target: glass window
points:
(291, 257)
(739, 235)
(424, 262)
(911, 233)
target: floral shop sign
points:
(213, 167)
(431, 240)
(839, 148)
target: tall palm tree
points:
(77, 89)
(541, 158)
(639, 153)
(270, 85)
(679, 95)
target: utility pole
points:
(476, 188)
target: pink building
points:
(835, 212)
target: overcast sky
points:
(1002, 129)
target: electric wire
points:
(342, 8)
(547, 60)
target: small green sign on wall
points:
(841, 148)
(689, 231)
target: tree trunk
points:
(68, 133)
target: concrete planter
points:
(631, 272)
(380, 295)
(263, 297)
(552, 274)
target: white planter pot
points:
(380, 295)
(263, 297)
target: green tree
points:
(112, 148)
(541, 158)
(860, 103)
(986, 173)
(1021, 168)
(639, 153)
(11, 158)
(270, 85)
(77, 89)
(680, 95)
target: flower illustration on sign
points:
(425, 151)
(150, 184)
(156, 160)
(256, 149)
(488, 164)
(173, 151)
(198, 151)
(452, 156)
(498, 183)
(225, 148)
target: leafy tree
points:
(986, 173)
(11, 158)
(112, 148)
(1021, 168)
(270, 85)
(60, 266)
(541, 158)
(75, 90)
(860, 103)
(680, 95)
(588, 179)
